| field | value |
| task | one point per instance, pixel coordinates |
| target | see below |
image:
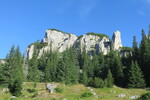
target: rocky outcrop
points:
(30, 50)
(2, 61)
(93, 42)
(58, 40)
(116, 41)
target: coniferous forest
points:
(78, 67)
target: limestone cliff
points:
(116, 40)
(60, 41)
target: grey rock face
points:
(93, 42)
(61, 41)
(58, 40)
(2, 61)
(116, 40)
(51, 87)
(30, 51)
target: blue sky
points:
(25, 21)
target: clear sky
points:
(25, 21)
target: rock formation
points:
(58, 40)
(116, 41)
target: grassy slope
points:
(72, 92)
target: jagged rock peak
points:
(93, 41)
(116, 40)
(57, 39)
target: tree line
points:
(77, 66)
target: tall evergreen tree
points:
(85, 66)
(33, 72)
(136, 78)
(96, 66)
(116, 67)
(145, 56)
(110, 80)
(12, 71)
(72, 66)
(61, 71)
(135, 49)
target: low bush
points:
(31, 90)
(59, 90)
(87, 94)
(145, 96)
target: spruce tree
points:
(136, 78)
(61, 71)
(135, 49)
(72, 66)
(12, 71)
(96, 66)
(145, 56)
(116, 67)
(110, 80)
(85, 66)
(84, 78)
(33, 72)
(47, 74)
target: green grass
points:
(71, 92)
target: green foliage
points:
(35, 95)
(127, 49)
(87, 94)
(31, 90)
(144, 60)
(39, 45)
(98, 34)
(12, 72)
(16, 87)
(97, 83)
(145, 96)
(116, 67)
(33, 72)
(136, 78)
(79, 37)
(59, 90)
(110, 80)
(59, 31)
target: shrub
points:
(97, 83)
(87, 94)
(145, 96)
(128, 49)
(31, 90)
(12, 99)
(98, 34)
(58, 90)
(35, 95)
(35, 84)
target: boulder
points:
(51, 87)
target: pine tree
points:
(16, 88)
(136, 78)
(61, 71)
(145, 57)
(135, 49)
(72, 66)
(12, 70)
(116, 67)
(110, 80)
(85, 66)
(47, 74)
(33, 72)
(96, 66)
(84, 78)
